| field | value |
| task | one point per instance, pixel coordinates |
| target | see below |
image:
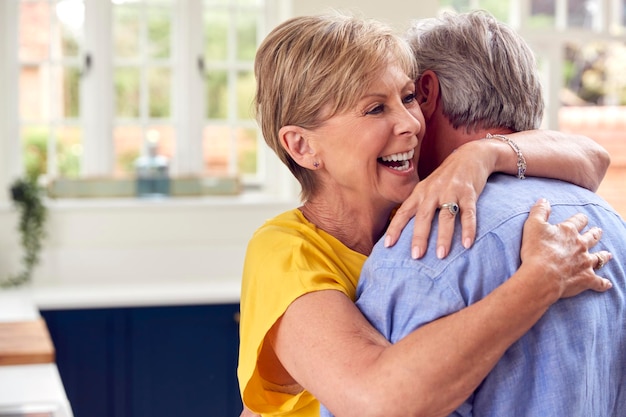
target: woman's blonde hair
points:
(311, 68)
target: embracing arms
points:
(463, 174)
(327, 346)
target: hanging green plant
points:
(27, 198)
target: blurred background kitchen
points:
(135, 117)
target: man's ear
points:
(427, 90)
(295, 142)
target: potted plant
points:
(27, 198)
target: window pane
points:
(34, 29)
(595, 73)
(245, 94)
(127, 92)
(159, 33)
(217, 95)
(218, 149)
(216, 35)
(247, 150)
(69, 150)
(35, 149)
(164, 137)
(580, 13)
(71, 16)
(542, 14)
(128, 142)
(159, 82)
(35, 93)
(222, 144)
(126, 31)
(246, 35)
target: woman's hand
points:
(459, 179)
(560, 253)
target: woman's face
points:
(370, 152)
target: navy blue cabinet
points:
(148, 361)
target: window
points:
(49, 81)
(103, 82)
(581, 49)
(142, 78)
(230, 40)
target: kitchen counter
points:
(31, 388)
(158, 293)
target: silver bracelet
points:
(521, 161)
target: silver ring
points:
(453, 208)
(600, 263)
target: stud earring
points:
(316, 164)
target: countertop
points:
(29, 388)
(116, 294)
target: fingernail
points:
(441, 252)
(416, 252)
(387, 242)
(608, 284)
(467, 243)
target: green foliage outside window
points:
(35, 155)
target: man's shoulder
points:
(504, 193)
(501, 186)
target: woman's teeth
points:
(398, 161)
(404, 156)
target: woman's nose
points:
(407, 124)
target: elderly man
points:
(479, 80)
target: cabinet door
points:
(184, 361)
(90, 357)
(152, 361)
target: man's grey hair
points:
(487, 73)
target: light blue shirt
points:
(572, 363)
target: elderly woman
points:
(336, 102)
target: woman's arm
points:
(327, 346)
(463, 175)
(564, 156)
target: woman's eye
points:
(376, 110)
(409, 98)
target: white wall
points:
(174, 240)
(142, 241)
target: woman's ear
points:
(427, 90)
(295, 142)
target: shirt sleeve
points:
(281, 265)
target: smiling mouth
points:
(398, 161)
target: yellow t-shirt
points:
(286, 258)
